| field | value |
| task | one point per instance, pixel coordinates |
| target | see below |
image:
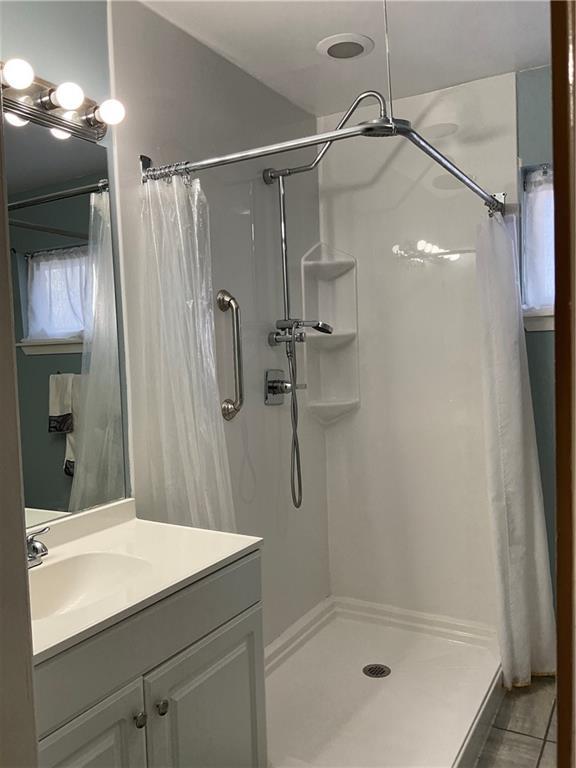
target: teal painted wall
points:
(45, 484)
(534, 114)
(534, 105)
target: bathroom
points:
(261, 430)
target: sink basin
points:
(79, 580)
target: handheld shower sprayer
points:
(287, 329)
(319, 325)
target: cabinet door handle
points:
(140, 719)
(162, 707)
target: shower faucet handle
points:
(276, 386)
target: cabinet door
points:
(212, 697)
(105, 736)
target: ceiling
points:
(35, 159)
(433, 44)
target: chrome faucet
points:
(294, 328)
(35, 550)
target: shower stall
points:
(352, 263)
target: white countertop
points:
(109, 565)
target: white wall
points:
(184, 101)
(407, 501)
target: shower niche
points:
(329, 292)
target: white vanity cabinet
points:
(209, 701)
(201, 707)
(104, 737)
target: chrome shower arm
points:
(403, 128)
(271, 174)
(380, 127)
(186, 167)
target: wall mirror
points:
(63, 278)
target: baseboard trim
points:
(418, 621)
(346, 607)
(298, 633)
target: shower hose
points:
(295, 464)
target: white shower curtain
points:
(183, 464)
(99, 454)
(526, 625)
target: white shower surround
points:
(408, 518)
(407, 498)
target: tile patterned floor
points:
(524, 731)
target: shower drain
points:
(376, 670)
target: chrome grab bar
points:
(230, 408)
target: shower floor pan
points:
(433, 709)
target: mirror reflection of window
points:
(57, 307)
(68, 367)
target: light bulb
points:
(110, 112)
(60, 134)
(67, 96)
(18, 74)
(13, 119)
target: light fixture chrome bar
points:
(271, 175)
(39, 116)
(53, 197)
(404, 129)
(19, 224)
(181, 169)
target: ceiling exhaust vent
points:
(347, 45)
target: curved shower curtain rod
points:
(381, 126)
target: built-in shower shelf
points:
(328, 411)
(329, 269)
(329, 294)
(323, 341)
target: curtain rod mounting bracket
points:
(145, 164)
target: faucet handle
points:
(39, 532)
(36, 549)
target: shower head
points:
(384, 127)
(319, 325)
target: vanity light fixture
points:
(17, 74)
(58, 133)
(14, 120)
(110, 112)
(67, 96)
(64, 109)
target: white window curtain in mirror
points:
(99, 454)
(56, 296)
(183, 467)
(538, 240)
(526, 625)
